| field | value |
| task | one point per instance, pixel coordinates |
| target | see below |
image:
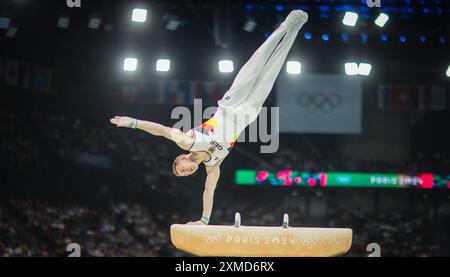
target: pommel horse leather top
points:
(255, 241)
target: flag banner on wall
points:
(129, 94)
(423, 98)
(27, 76)
(320, 104)
(2, 71)
(41, 79)
(94, 160)
(438, 98)
(408, 97)
(12, 73)
(173, 92)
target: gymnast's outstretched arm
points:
(181, 139)
(213, 175)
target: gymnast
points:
(212, 141)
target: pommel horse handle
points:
(286, 221)
(237, 219)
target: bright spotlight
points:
(381, 20)
(448, 71)
(226, 66)
(139, 15)
(350, 19)
(11, 32)
(364, 38)
(63, 22)
(364, 69)
(250, 25)
(163, 65)
(94, 22)
(173, 22)
(293, 67)
(351, 68)
(345, 37)
(130, 64)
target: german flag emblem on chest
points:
(209, 125)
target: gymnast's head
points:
(184, 166)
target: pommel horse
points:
(260, 241)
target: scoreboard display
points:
(289, 177)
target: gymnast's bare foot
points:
(296, 19)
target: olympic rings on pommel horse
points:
(260, 241)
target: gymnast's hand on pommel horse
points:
(212, 141)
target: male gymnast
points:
(212, 141)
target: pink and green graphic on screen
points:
(342, 179)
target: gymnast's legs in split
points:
(256, 78)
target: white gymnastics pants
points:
(256, 78)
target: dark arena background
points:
(363, 119)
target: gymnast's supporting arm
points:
(213, 175)
(173, 134)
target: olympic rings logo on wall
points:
(319, 102)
